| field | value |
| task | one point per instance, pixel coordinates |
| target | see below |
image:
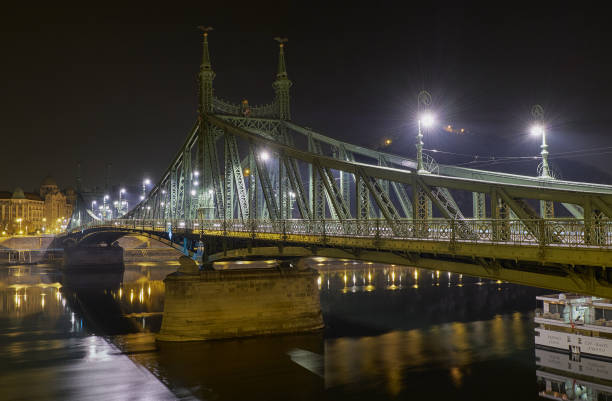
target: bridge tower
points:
(281, 87)
(205, 193)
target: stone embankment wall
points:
(45, 248)
(240, 303)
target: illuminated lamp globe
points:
(537, 130)
(427, 119)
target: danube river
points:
(391, 333)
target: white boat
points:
(580, 325)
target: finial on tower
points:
(282, 69)
(205, 54)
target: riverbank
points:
(45, 249)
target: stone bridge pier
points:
(219, 304)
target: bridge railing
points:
(549, 232)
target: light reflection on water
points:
(391, 332)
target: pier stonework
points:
(84, 256)
(240, 303)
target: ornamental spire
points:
(205, 55)
(282, 84)
(206, 76)
(282, 69)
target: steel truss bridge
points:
(248, 182)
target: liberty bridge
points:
(248, 183)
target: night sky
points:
(119, 86)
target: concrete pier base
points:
(210, 305)
(80, 256)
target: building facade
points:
(29, 213)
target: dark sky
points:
(119, 85)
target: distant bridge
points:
(250, 183)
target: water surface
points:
(391, 333)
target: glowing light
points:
(141, 197)
(147, 181)
(427, 119)
(193, 192)
(196, 173)
(388, 142)
(264, 155)
(122, 190)
(247, 172)
(536, 130)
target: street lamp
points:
(105, 206)
(425, 120)
(539, 129)
(121, 192)
(145, 182)
(93, 204)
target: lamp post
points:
(539, 129)
(121, 192)
(93, 204)
(145, 182)
(105, 209)
(425, 120)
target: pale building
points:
(46, 211)
(20, 212)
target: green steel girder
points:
(479, 205)
(266, 127)
(228, 182)
(316, 191)
(180, 203)
(380, 197)
(298, 188)
(213, 164)
(345, 185)
(408, 177)
(461, 172)
(266, 188)
(236, 169)
(362, 199)
(333, 193)
(521, 209)
(338, 206)
(400, 192)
